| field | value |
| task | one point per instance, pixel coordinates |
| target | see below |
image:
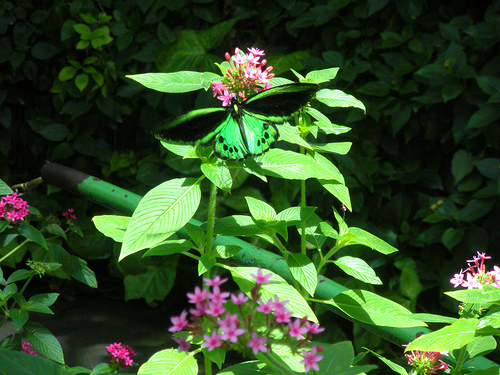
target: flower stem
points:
(210, 221)
(14, 250)
(208, 365)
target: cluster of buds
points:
(26, 347)
(120, 356)
(475, 276)
(69, 215)
(425, 362)
(251, 328)
(13, 207)
(245, 76)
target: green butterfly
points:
(241, 129)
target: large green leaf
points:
(19, 363)
(170, 361)
(176, 82)
(277, 287)
(113, 226)
(44, 341)
(153, 285)
(303, 270)
(162, 211)
(74, 266)
(358, 269)
(337, 98)
(218, 173)
(370, 308)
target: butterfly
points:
(240, 129)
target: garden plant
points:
(362, 148)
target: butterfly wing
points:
(198, 126)
(243, 135)
(279, 103)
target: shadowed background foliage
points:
(423, 170)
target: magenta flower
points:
(426, 362)
(215, 281)
(26, 347)
(216, 296)
(198, 296)
(179, 322)
(314, 328)
(120, 356)
(239, 299)
(260, 278)
(475, 276)
(69, 216)
(265, 308)
(13, 208)
(184, 345)
(257, 344)
(311, 359)
(296, 329)
(212, 342)
(231, 333)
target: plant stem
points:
(211, 221)
(14, 250)
(270, 360)
(208, 365)
(303, 223)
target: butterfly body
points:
(241, 129)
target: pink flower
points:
(296, 329)
(265, 308)
(216, 281)
(239, 299)
(119, 355)
(69, 216)
(216, 296)
(198, 296)
(212, 342)
(314, 328)
(226, 97)
(257, 344)
(26, 347)
(260, 278)
(13, 207)
(183, 343)
(282, 314)
(231, 333)
(215, 309)
(311, 359)
(426, 362)
(179, 322)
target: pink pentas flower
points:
(198, 296)
(179, 322)
(215, 309)
(184, 345)
(314, 328)
(257, 344)
(239, 299)
(231, 333)
(475, 276)
(215, 281)
(212, 342)
(120, 356)
(265, 308)
(13, 208)
(311, 359)
(283, 315)
(69, 215)
(260, 278)
(296, 329)
(26, 347)
(426, 362)
(217, 296)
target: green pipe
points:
(125, 202)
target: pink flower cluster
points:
(244, 77)
(426, 362)
(69, 216)
(249, 329)
(120, 356)
(475, 276)
(13, 207)
(26, 347)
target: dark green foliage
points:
(424, 166)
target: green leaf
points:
(358, 269)
(47, 299)
(338, 190)
(56, 230)
(31, 233)
(489, 167)
(162, 211)
(362, 237)
(454, 336)
(224, 252)
(44, 51)
(461, 165)
(291, 134)
(170, 361)
(169, 247)
(153, 285)
(176, 82)
(19, 363)
(340, 148)
(81, 81)
(323, 75)
(19, 318)
(294, 166)
(261, 211)
(83, 30)
(18, 275)
(189, 50)
(44, 342)
(324, 122)
(74, 266)
(250, 368)
(4, 188)
(277, 287)
(488, 294)
(303, 270)
(373, 309)
(113, 226)
(100, 37)
(393, 366)
(486, 115)
(295, 215)
(337, 98)
(218, 173)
